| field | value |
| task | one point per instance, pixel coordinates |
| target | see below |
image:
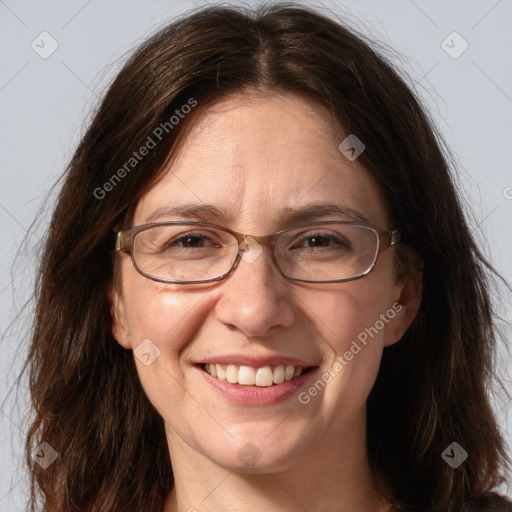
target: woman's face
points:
(253, 159)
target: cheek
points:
(352, 309)
(160, 313)
(353, 332)
(351, 320)
(161, 321)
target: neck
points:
(334, 477)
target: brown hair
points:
(432, 386)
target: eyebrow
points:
(207, 213)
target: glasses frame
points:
(124, 241)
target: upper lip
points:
(255, 361)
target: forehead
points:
(254, 158)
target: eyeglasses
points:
(197, 252)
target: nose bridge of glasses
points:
(246, 240)
(250, 248)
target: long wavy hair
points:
(432, 389)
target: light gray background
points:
(44, 102)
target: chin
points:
(257, 455)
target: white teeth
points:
(249, 376)
(221, 372)
(232, 374)
(278, 374)
(264, 376)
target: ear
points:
(118, 318)
(410, 288)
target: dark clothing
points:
(490, 502)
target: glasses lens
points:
(327, 252)
(184, 252)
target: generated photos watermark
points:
(44, 45)
(454, 455)
(351, 147)
(147, 352)
(454, 45)
(44, 455)
(249, 455)
(151, 142)
(304, 397)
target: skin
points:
(252, 155)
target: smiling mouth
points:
(264, 376)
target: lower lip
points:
(256, 395)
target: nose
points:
(255, 298)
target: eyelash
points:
(338, 241)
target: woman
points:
(259, 291)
